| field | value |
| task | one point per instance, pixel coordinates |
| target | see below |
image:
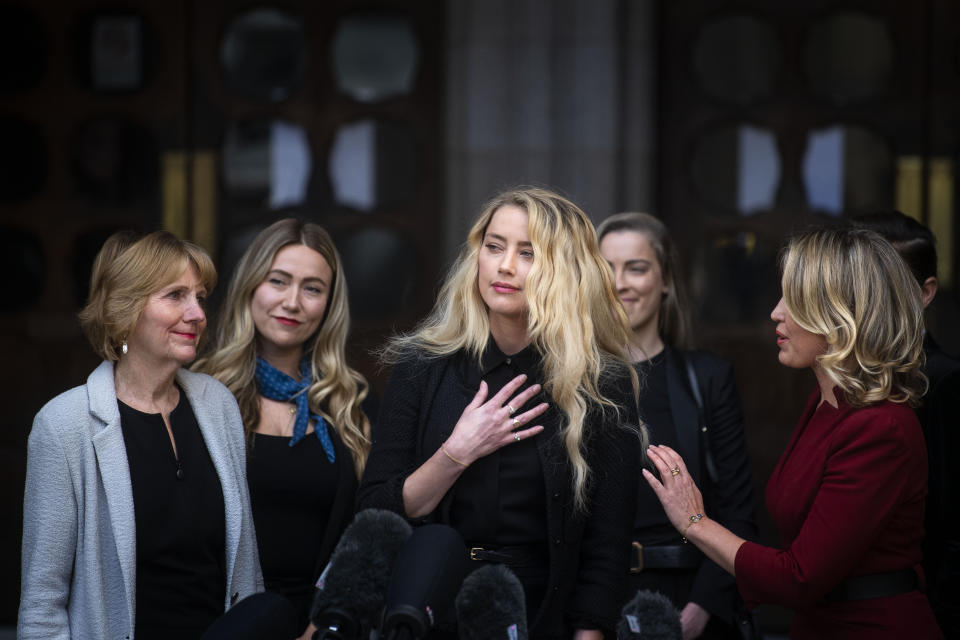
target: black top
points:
(588, 551)
(181, 524)
(668, 403)
(652, 526)
(500, 498)
(292, 491)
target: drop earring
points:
(123, 347)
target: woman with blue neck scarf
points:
(280, 348)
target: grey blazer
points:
(79, 539)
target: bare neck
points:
(510, 335)
(826, 386)
(145, 386)
(646, 343)
(284, 359)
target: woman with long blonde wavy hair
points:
(511, 413)
(848, 493)
(280, 348)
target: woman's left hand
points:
(693, 620)
(588, 634)
(676, 490)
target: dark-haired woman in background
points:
(848, 493)
(281, 349)
(647, 272)
(136, 512)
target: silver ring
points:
(516, 422)
(510, 409)
(516, 437)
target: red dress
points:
(847, 497)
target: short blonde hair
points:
(127, 270)
(850, 286)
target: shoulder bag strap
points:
(701, 414)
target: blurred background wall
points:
(390, 123)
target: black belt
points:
(528, 555)
(876, 585)
(678, 556)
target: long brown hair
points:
(674, 321)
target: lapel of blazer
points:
(343, 502)
(216, 438)
(684, 410)
(114, 473)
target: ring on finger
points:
(516, 422)
(675, 471)
(516, 437)
(510, 409)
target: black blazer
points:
(587, 553)
(729, 501)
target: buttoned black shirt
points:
(501, 499)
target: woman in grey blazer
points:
(136, 511)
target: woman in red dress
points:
(848, 493)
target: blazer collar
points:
(114, 470)
(683, 406)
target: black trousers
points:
(262, 616)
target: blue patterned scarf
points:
(276, 385)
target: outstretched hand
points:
(675, 489)
(487, 425)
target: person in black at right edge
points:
(940, 418)
(689, 402)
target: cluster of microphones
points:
(402, 584)
(388, 581)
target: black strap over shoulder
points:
(701, 415)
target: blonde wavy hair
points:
(337, 390)
(575, 320)
(128, 268)
(850, 286)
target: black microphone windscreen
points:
(649, 616)
(490, 605)
(429, 570)
(353, 585)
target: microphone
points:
(649, 616)
(425, 580)
(491, 605)
(351, 589)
